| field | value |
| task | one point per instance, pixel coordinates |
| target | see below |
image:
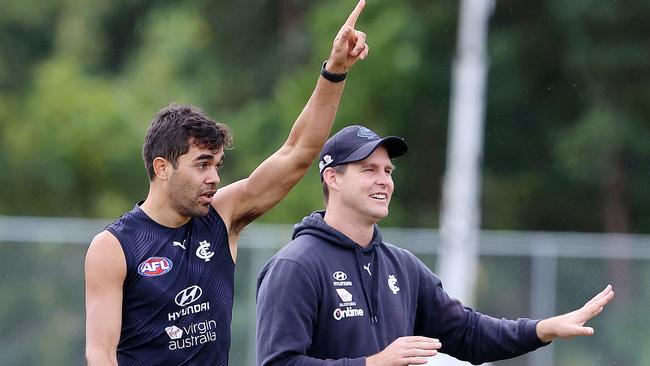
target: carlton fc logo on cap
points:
(366, 133)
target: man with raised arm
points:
(159, 280)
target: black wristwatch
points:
(335, 78)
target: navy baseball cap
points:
(354, 143)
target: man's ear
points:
(329, 177)
(161, 168)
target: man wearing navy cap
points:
(338, 295)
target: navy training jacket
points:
(325, 300)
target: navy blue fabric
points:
(354, 143)
(178, 291)
(315, 305)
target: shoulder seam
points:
(301, 267)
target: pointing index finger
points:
(352, 19)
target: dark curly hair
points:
(170, 132)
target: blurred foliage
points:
(566, 115)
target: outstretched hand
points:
(349, 44)
(572, 324)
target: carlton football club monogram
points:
(392, 284)
(203, 251)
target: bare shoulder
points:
(105, 271)
(105, 256)
(235, 206)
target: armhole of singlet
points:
(128, 259)
(222, 225)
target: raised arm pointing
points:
(242, 202)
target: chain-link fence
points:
(522, 274)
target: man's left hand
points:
(572, 324)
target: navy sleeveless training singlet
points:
(178, 291)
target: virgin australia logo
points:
(174, 332)
(344, 294)
(203, 251)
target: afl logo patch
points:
(155, 266)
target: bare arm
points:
(572, 324)
(105, 272)
(242, 202)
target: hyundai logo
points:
(340, 276)
(188, 296)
